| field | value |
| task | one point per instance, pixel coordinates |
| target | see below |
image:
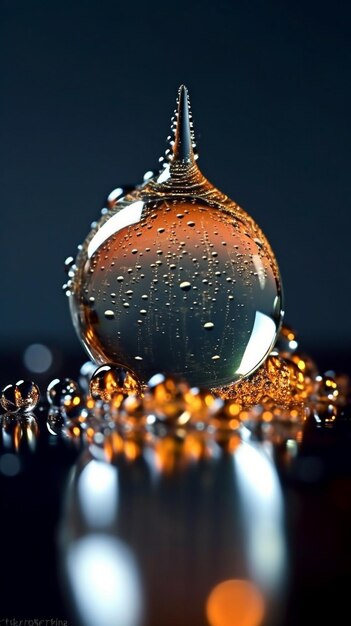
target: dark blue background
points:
(87, 91)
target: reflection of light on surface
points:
(115, 193)
(164, 175)
(262, 513)
(37, 358)
(97, 492)
(261, 339)
(9, 465)
(85, 374)
(32, 431)
(235, 603)
(104, 581)
(259, 267)
(125, 217)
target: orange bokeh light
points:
(235, 603)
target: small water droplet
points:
(109, 314)
(185, 285)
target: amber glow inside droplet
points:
(212, 310)
(113, 384)
(23, 396)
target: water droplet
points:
(177, 217)
(23, 396)
(113, 383)
(65, 394)
(185, 285)
(69, 262)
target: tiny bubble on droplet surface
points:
(109, 314)
(185, 285)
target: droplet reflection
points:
(173, 522)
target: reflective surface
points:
(148, 543)
(176, 277)
(192, 488)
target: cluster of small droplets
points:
(280, 396)
(111, 409)
(70, 269)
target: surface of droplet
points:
(111, 383)
(23, 396)
(166, 397)
(61, 390)
(198, 257)
(66, 395)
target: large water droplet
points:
(179, 245)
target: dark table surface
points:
(316, 488)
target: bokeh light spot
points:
(235, 603)
(37, 358)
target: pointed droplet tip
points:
(183, 135)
